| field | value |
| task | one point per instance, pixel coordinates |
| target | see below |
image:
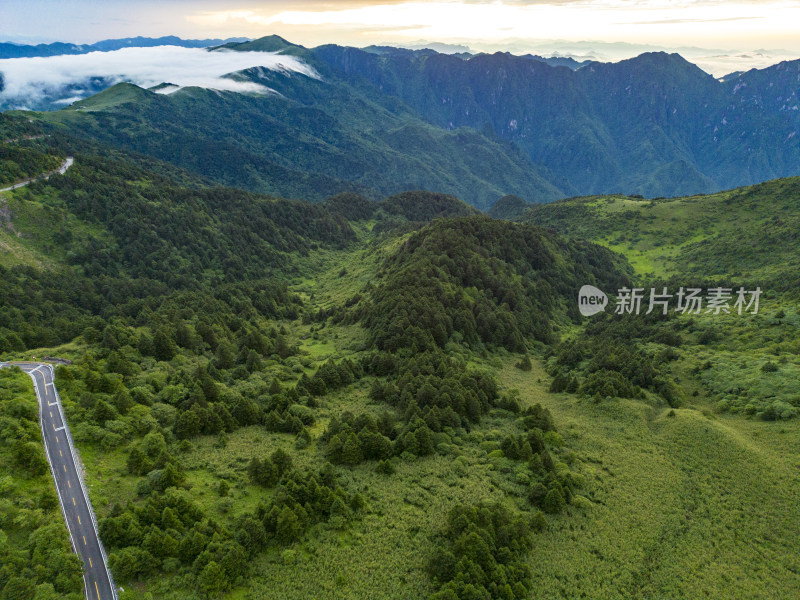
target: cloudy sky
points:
(718, 27)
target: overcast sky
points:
(516, 25)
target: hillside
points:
(262, 389)
(748, 234)
(308, 138)
(654, 125)
(382, 120)
(745, 237)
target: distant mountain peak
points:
(121, 93)
(268, 43)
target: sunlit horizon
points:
(719, 37)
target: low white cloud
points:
(27, 80)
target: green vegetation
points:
(315, 138)
(262, 389)
(654, 125)
(18, 164)
(746, 235)
(184, 326)
(508, 207)
(480, 281)
(482, 555)
(677, 501)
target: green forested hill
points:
(309, 138)
(263, 389)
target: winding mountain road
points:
(61, 170)
(72, 495)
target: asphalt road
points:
(75, 505)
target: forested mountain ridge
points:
(12, 50)
(379, 122)
(308, 138)
(653, 125)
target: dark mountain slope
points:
(384, 121)
(648, 125)
(310, 138)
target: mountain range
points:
(382, 120)
(12, 50)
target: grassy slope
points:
(747, 236)
(699, 504)
(688, 506)
(29, 234)
(747, 233)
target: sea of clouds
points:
(66, 78)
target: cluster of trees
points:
(287, 411)
(437, 388)
(268, 472)
(162, 232)
(433, 397)
(330, 376)
(17, 126)
(303, 499)
(550, 488)
(421, 206)
(481, 282)
(610, 358)
(481, 554)
(40, 310)
(150, 240)
(482, 551)
(351, 440)
(18, 163)
(36, 561)
(167, 531)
